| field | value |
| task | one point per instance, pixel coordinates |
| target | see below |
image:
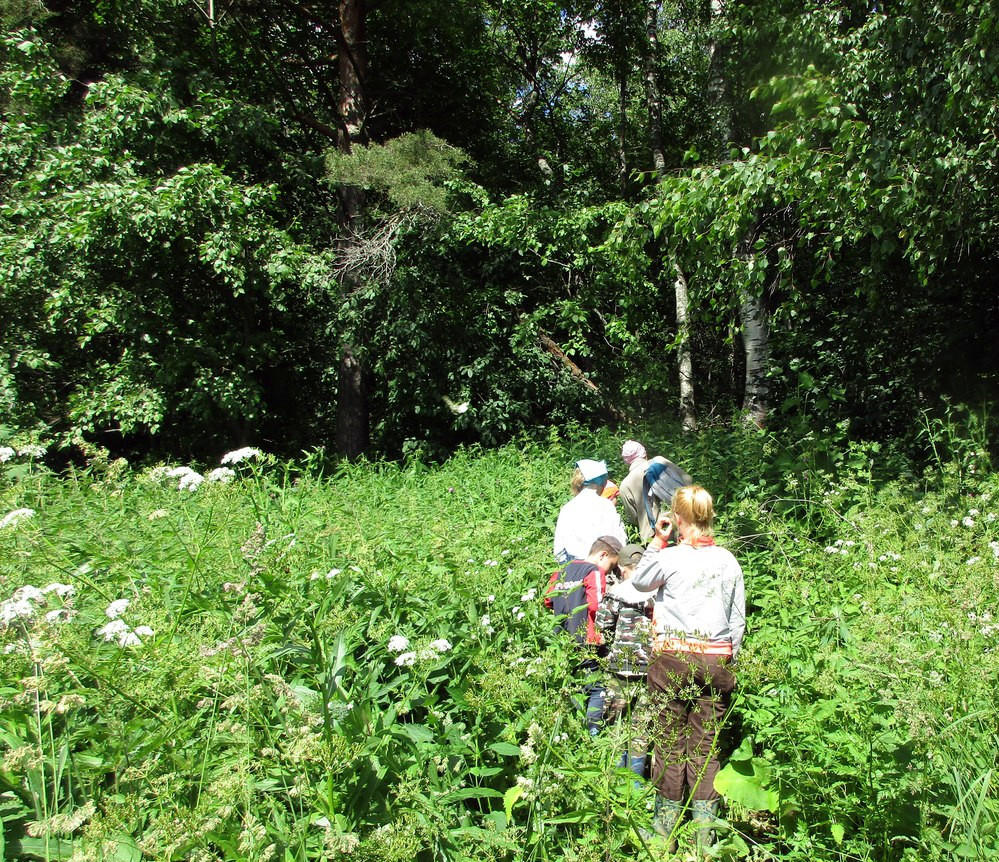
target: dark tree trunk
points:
(352, 406)
(352, 397)
(653, 97)
(653, 100)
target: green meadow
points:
(302, 661)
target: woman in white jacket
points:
(699, 620)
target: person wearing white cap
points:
(587, 516)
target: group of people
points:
(659, 624)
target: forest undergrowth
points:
(298, 661)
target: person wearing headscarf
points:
(632, 494)
(587, 516)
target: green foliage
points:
(143, 291)
(410, 170)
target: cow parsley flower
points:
(114, 630)
(397, 643)
(64, 591)
(11, 519)
(190, 481)
(30, 593)
(968, 521)
(529, 595)
(116, 608)
(222, 475)
(441, 644)
(15, 608)
(31, 451)
(406, 659)
(177, 472)
(238, 455)
(6, 453)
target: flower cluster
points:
(407, 658)
(8, 453)
(27, 600)
(12, 519)
(238, 455)
(118, 631)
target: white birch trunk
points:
(756, 342)
(688, 412)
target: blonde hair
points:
(695, 506)
(577, 483)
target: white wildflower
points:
(954, 523)
(59, 615)
(116, 608)
(831, 550)
(13, 609)
(968, 522)
(529, 595)
(238, 455)
(990, 517)
(129, 639)
(177, 472)
(521, 615)
(490, 599)
(222, 475)
(13, 518)
(441, 644)
(398, 643)
(31, 451)
(973, 513)
(157, 514)
(64, 591)
(190, 481)
(114, 630)
(973, 560)
(6, 453)
(406, 659)
(491, 563)
(30, 593)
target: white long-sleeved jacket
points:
(583, 520)
(701, 595)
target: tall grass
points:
(355, 661)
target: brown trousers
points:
(690, 692)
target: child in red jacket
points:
(574, 594)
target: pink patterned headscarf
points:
(632, 450)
